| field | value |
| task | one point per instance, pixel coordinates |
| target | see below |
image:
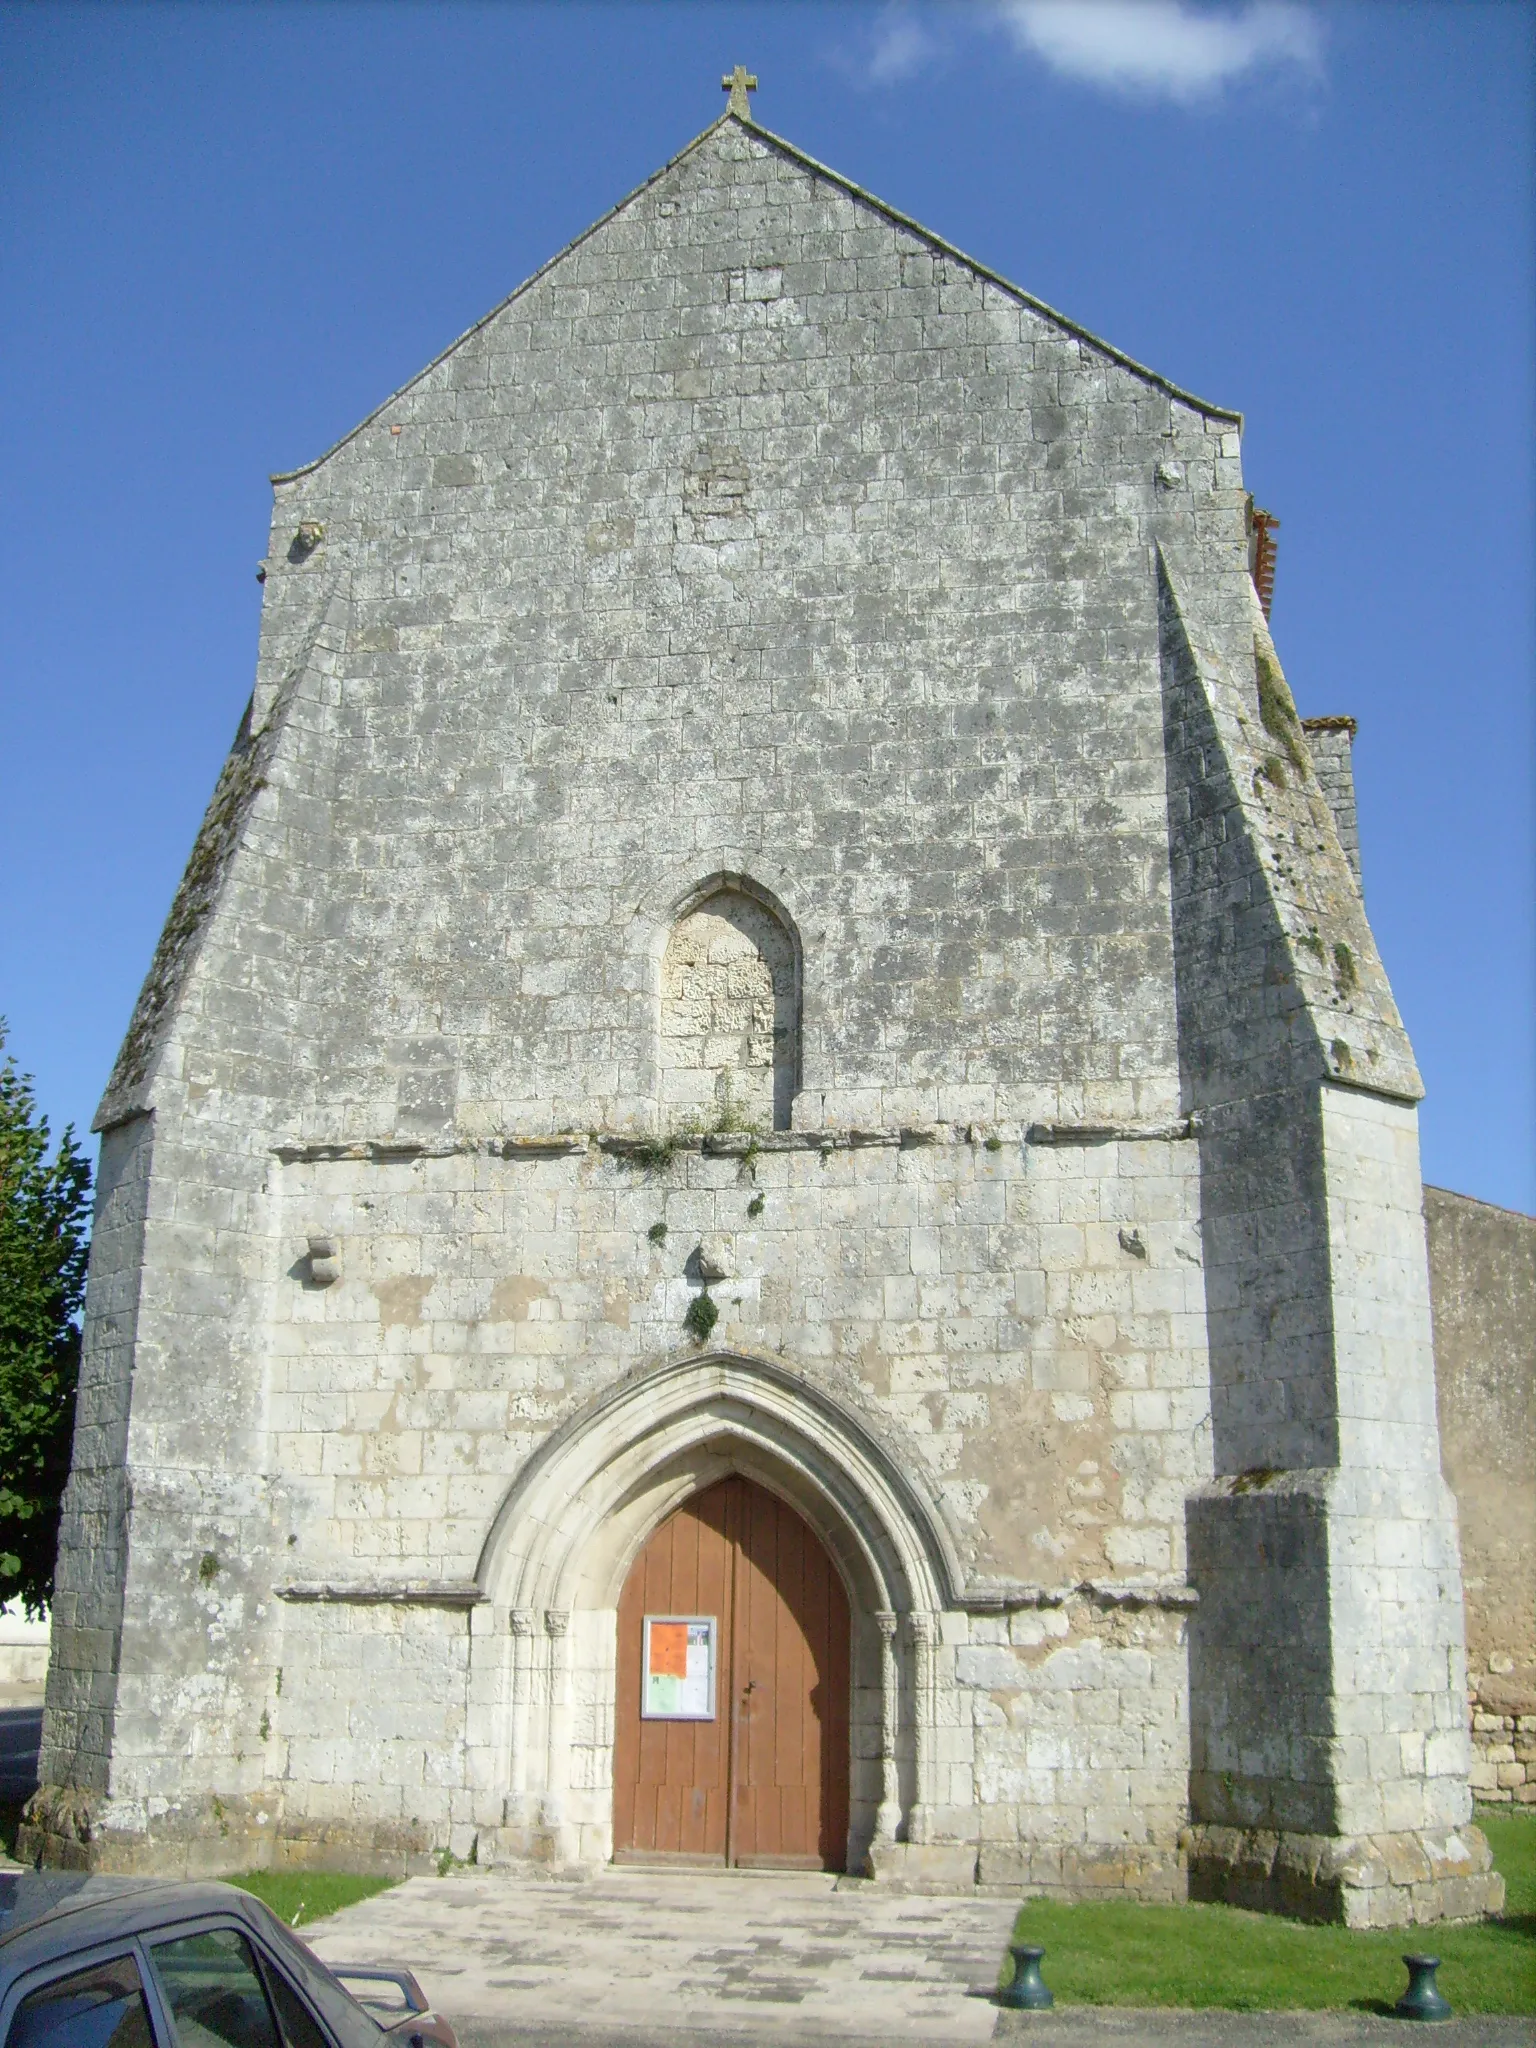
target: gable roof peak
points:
(738, 113)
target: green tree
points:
(44, 1239)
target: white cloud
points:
(900, 46)
(1163, 48)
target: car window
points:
(102, 2007)
(214, 1994)
(293, 2016)
(341, 2013)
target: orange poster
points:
(669, 1649)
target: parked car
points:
(127, 1962)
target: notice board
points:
(677, 1668)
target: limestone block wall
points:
(1482, 1269)
(1024, 1320)
(984, 1290)
(838, 579)
(1079, 1713)
(769, 670)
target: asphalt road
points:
(21, 1731)
(1076, 2027)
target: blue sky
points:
(229, 232)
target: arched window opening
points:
(730, 1017)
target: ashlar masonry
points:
(770, 934)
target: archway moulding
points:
(670, 891)
(590, 1495)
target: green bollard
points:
(1028, 1992)
(1423, 2000)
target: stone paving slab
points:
(636, 1958)
(755, 1956)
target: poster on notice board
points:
(677, 1681)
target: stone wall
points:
(770, 669)
(1482, 1265)
(1021, 1320)
(1331, 744)
(843, 585)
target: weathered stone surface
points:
(1330, 741)
(767, 775)
(1482, 1269)
(1392, 1880)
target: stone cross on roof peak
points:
(738, 84)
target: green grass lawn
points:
(298, 1896)
(1218, 1956)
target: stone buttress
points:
(1329, 1747)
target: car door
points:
(303, 1990)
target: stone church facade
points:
(769, 977)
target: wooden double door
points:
(763, 1778)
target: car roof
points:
(102, 1908)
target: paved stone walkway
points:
(762, 1956)
(637, 1958)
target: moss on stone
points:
(701, 1318)
(1277, 710)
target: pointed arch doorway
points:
(731, 1740)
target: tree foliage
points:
(44, 1239)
